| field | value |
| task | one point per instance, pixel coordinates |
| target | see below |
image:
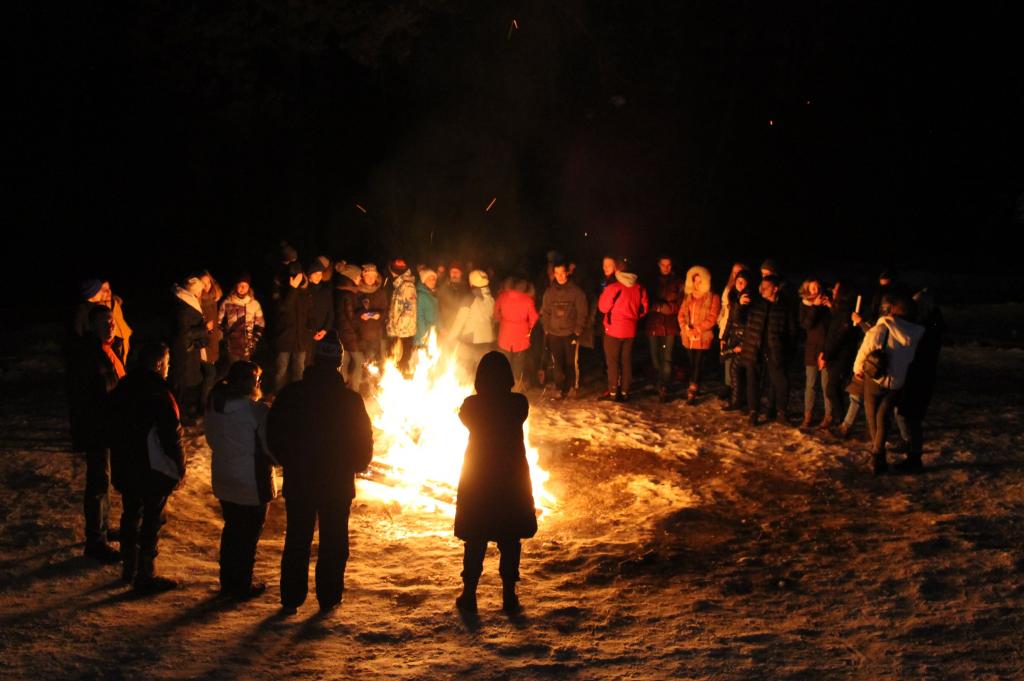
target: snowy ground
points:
(686, 546)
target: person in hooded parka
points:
(495, 495)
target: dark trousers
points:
(778, 388)
(331, 556)
(742, 375)
(618, 353)
(473, 560)
(140, 524)
(407, 352)
(518, 362)
(209, 370)
(96, 503)
(661, 358)
(878, 403)
(242, 527)
(696, 358)
(565, 360)
(838, 377)
(750, 373)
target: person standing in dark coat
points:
(495, 496)
(346, 300)
(93, 371)
(917, 391)
(209, 300)
(740, 298)
(667, 295)
(814, 320)
(563, 314)
(293, 333)
(188, 349)
(321, 304)
(371, 313)
(452, 294)
(767, 343)
(319, 431)
(842, 339)
(147, 463)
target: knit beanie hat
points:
(89, 288)
(427, 272)
(294, 269)
(478, 279)
(398, 266)
(770, 265)
(368, 268)
(328, 349)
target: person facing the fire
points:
(495, 495)
(320, 432)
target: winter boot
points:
(691, 395)
(509, 600)
(129, 563)
(466, 602)
(879, 464)
(825, 422)
(146, 579)
(663, 394)
(912, 465)
(102, 552)
(808, 420)
(607, 396)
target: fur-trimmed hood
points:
(705, 283)
(627, 279)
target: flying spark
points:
(490, 205)
(360, 208)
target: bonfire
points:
(419, 440)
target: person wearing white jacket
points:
(898, 338)
(241, 467)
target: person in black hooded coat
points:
(319, 431)
(495, 496)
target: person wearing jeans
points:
(662, 324)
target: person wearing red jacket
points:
(623, 303)
(516, 314)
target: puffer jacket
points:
(371, 312)
(666, 297)
(698, 315)
(624, 303)
(900, 338)
(475, 322)
(293, 332)
(346, 300)
(240, 466)
(242, 320)
(321, 307)
(737, 322)
(771, 331)
(402, 311)
(516, 314)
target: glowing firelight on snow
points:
(419, 440)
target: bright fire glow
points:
(419, 440)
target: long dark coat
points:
(495, 498)
(814, 320)
(293, 331)
(189, 338)
(91, 377)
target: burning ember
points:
(420, 441)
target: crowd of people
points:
(331, 324)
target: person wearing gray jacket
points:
(563, 315)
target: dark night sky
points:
(160, 136)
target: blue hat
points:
(89, 288)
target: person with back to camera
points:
(495, 495)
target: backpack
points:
(876, 364)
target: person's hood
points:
(184, 296)
(236, 299)
(367, 288)
(230, 405)
(627, 279)
(404, 277)
(705, 281)
(902, 331)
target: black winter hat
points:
(295, 268)
(328, 349)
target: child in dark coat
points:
(495, 498)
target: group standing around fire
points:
(330, 326)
